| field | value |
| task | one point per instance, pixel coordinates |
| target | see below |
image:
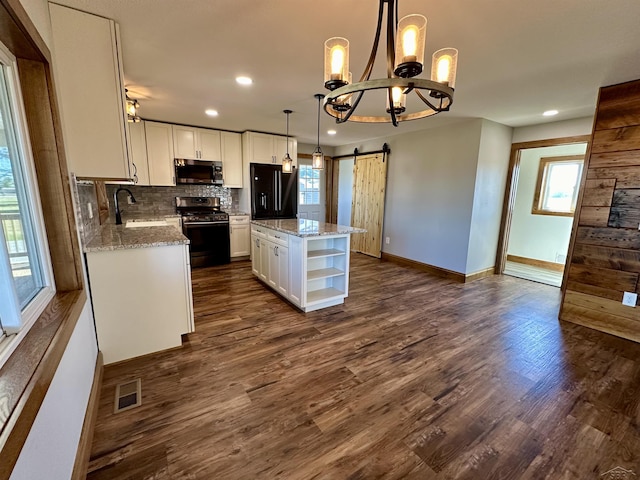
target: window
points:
(556, 190)
(25, 277)
(309, 185)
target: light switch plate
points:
(629, 299)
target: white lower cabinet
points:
(310, 272)
(142, 299)
(240, 235)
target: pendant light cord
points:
(318, 122)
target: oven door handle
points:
(187, 224)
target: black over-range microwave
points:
(198, 171)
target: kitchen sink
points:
(145, 223)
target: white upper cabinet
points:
(88, 76)
(209, 144)
(231, 159)
(265, 148)
(160, 155)
(196, 143)
(184, 142)
(152, 153)
(281, 149)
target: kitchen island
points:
(140, 283)
(305, 261)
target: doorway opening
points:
(542, 191)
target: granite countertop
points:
(306, 228)
(118, 237)
(234, 213)
(135, 216)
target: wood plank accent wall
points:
(604, 258)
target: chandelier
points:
(405, 60)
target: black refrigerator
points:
(274, 194)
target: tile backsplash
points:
(85, 195)
(153, 201)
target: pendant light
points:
(317, 159)
(287, 162)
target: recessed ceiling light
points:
(244, 80)
(331, 132)
(211, 112)
(550, 113)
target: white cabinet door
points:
(91, 93)
(160, 153)
(281, 149)
(273, 275)
(256, 262)
(139, 165)
(282, 255)
(208, 142)
(263, 273)
(231, 146)
(262, 148)
(185, 144)
(240, 239)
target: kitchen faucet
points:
(115, 201)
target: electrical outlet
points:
(387, 240)
(90, 209)
(629, 299)
(129, 200)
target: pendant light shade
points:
(410, 40)
(317, 159)
(336, 62)
(287, 162)
(443, 66)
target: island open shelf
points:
(309, 266)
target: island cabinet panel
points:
(311, 271)
(604, 259)
(142, 299)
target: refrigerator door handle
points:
(276, 182)
(279, 192)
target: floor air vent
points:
(128, 395)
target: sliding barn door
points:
(367, 204)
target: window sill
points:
(27, 374)
(552, 213)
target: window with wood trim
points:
(309, 180)
(25, 267)
(557, 185)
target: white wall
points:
(308, 149)
(51, 446)
(544, 131)
(430, 188)
(491, 178)
(541, 237)
(345, 190)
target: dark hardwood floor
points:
(413, 377)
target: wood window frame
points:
(542, 181)
(27, 374)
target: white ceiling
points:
(517, 58)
